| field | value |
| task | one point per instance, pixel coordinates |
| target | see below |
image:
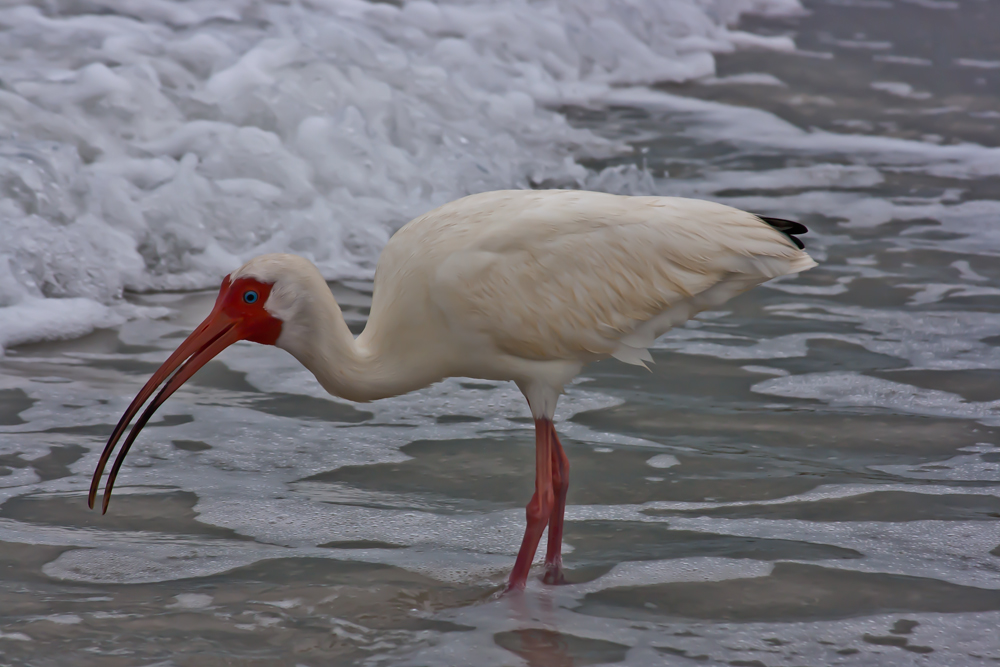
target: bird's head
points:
(260, 302)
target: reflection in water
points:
(548, 648)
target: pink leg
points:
(539, 510)
(560, 484)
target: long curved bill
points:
(216, 333)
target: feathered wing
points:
(581, 275)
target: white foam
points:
(902, 60)
(663, 461)
(825, 492)
(702, 343)
(61, 619)
(318, 129)
(741, 126)
(846, 389)
(816, 176)
(647, 573)
(964, 467)
(930, 340)
(765, 370)
(746, 79)
(198, 135)
(36, 319)
(900, 89)
(954, 551)
(152, 563)
(192, 601)
(978, 64)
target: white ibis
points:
(521, 285)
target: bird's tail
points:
(789, 228)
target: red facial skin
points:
(256, 323)
(231, 319)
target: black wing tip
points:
(789, 228)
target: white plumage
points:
(515, 285)
(529, 285)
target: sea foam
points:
(154, 146)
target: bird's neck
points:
(358, 370)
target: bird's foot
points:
(509, 588)
(554, 576)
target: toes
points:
(554, 577)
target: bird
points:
(514, 285)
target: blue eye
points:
(250, 296)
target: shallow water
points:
(809, 477)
